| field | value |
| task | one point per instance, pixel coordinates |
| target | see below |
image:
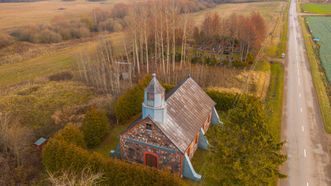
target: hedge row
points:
(95, 127)
(60, 155)
(224, 100)
(129, 104)
(71, 134)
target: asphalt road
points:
(307, 144)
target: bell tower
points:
(154, 104)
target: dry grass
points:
(19, 14)
(269, 10)
(49, 63)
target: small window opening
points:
(131, 153)
(148, 126)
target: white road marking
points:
(307, 183)
(305, 152)
(302, 128)
(299, 95)
(301, 109)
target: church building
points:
(171, 128)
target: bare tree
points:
(69, 178)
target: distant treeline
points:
(61, 29)
(17, 1)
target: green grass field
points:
(318, 77)
(317, 8)
(320, 27)
(274, 100)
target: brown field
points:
(19, 14)
(269, 10)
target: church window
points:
(148, 126)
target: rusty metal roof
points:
(154, 86)
(188, 107)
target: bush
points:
(237, 160)
(47, 36)
(129, 104)
(71, 134)
(239, 64)
(5, 40)
(95, 127)
(59, 155)
(224, 100)
(62, 76)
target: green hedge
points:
(71, 134)
(129, 104)
(95, 127)
(224, 100)
(60, 155)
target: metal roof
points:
(188, 107)
(40, 141)
(154, 86)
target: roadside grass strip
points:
(319, 80)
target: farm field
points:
(14, 15)
(317, 8)
(44, 65)
(269, 10)
(321, 28)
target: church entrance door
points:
(150, 159)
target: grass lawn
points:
(112, 139)
(274, 100)
(317, 8)
(318, 77)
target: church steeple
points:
(154, 101)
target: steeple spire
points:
(154, 102)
